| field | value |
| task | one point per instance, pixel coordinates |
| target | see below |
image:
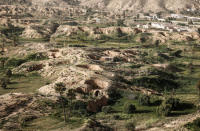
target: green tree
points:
(70, 95)
(120, 22)
(14, 34)
(3, 61)
(15, 39)
(3, 83)
(9, 73)
(60, 88)
(2, 41)
(129, 108)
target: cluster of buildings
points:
(171, 23)
(165, 26)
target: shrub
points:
(143, 39)
(144, 100)
(129, 108)
(164, 109)
(107, 109)
(116, 117)
(93, 125)
(3, 84)
(26, 118)
(176, 53)
(79, 105)
(15, 62)
(3, 61)
(114, 95)
(130, 126)
(80, 112)
(9, 73)
(197, 122)
(155, 101)
(5, 80)
(194, 126)
(36, 57)
(174, 102)
(156, 83)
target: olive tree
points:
(60, 88)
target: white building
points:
(145, 26)
(157, 26)
(161, 20)
(138, 26)
(177, 16)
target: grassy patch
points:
(26, 83)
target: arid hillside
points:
(116, 5)
(142, 5)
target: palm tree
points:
(71, 95)
(60, 88)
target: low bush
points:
(164, 109)
(79, 108)
(176, 53)
(194, 126)
(80, 112)
(144, 100)
(9, 73)
(107, 109)
(129, 108)
(79, 105)
(114, 95)
(174, 102)
(130, 126)
(3, 83)
(156, 83)
(155, 101)
(36, 57)
(116, 117)
(14, 62)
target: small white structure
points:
(193, 18)
(161, 20)
(148, 17)
(138, 26)
(177, 16)
(145, 26)
(157, 26)
(154, 16)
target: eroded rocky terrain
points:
(106, 65)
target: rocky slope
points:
(141, 5)
(116, 5)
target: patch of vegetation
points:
(114, 95)
(144, 100)
(36, 57)
(25, 83)
(193, 126)
(155, 83)
(164, 109)
(107, 109)
(130, 126)
(11, 30)
(14, 62)
(129, 108)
